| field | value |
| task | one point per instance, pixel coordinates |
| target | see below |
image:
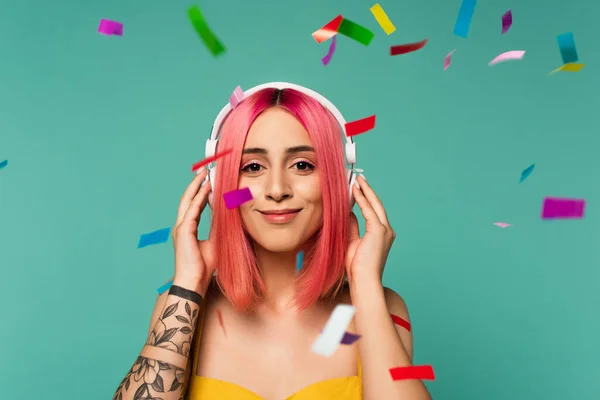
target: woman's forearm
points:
(160, 369)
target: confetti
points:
(329, 54)
(156, 237)
(555, 208)
(526, 172)
(165, 287)
(463, 21)
(502, 224)
(109, 28)
(570, 67)
(350, 338)
(568, 51)
(407, 48)
(3, 164)
(329, 30)
(506, 21)
(401, 322)
(333, 333)
(382, 19)
(236, 198)
(355, 31)
(220, 317)
(209, 160)
(413, 372)
(236, 97)
(201, 27)
(509, 55)
(299, 260)
(448, 60)
(360, 126)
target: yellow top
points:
(203, 388)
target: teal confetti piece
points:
(526, 172)
(3, 164)
(299, 260)
(156, 237)
(165, 287)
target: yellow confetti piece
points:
(382, 19)
(569, 67)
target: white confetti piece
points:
(329, 340)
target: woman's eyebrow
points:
(290, 150)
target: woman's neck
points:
(278, 272)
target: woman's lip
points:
(280, 218)
(280, 212)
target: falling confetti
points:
(502, 224)
(333, 333)
(465, 15)
(568, 51)
(401, 322)
(201, 27)
(448, 60)
(165, 287)
(559, 208)
(3, 164)
(382, 19)
(329, 30)
(509, 55)
(206, 161)
(350, 338)
(109, 28)
(526, 172)
(156, 237)
(355, 31)
(236, 198)
(360, 126)
(413, 372)
(570, 67)
(407, 48)
(506, 21)
(299, 260)
(236, 97)
(327, 58)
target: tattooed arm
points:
(160, 369)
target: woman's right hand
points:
(194, 263)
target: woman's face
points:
(279, 166)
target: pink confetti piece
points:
(509, 55)
(506, 21)
(236, 198)
(236, 97)
(325, 60)
(448, 60)
(502, 224)
(555, 208)
(108, 27)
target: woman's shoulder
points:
(395, 303)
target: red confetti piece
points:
(329, 30)
(407, 48)
(400, 321)
(208, 160)
(221, 321)
(413, 372)
(360, 126)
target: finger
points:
(354, 230)
(376, 204)
(189, 194)
(371, 218)
(192, 215)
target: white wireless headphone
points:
(211, 144)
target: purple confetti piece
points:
(236, 198)
(506, 21)
(329, 54)
(349, 338)
(236, 97)
(555, 208)
(108, 27)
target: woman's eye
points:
(304, 166)
(252, 167)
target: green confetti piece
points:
(207, 36)
(356, 32)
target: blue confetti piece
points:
(156, 237)
(299, 260)
(3, 164)
(164, 287)
(568, 51)
(526, 172)
(465, 15)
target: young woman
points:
(246, 332)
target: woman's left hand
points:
(367, 255)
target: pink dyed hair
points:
(323, 271)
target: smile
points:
(279, 216)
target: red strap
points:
(413, 372)
(402, 322)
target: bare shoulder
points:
(395, 303)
